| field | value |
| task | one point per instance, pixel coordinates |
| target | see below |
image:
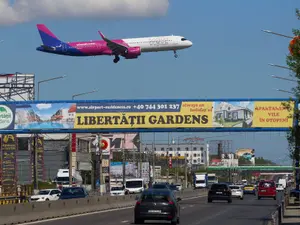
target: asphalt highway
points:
(196, 211)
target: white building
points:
(195, 153)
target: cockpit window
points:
(183, 39)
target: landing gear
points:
(175, 54)
(116, 59)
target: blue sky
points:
(228, 59)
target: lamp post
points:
(47, 80)
(283, 78)
(35, 169)
(70, 139)
(285, 91)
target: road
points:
(196, 211)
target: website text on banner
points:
(146, 114)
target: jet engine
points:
(132, 53)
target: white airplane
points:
(130, 48)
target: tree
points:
(293, 62)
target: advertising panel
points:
(247, 154)
(166, 114)
(38, 143)
(9, 147)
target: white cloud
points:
(27, 10)
(43, 106)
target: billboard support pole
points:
(140, 158)
(185, 172)
(35, 169)
(70, 161)
(297, 150)
(99, 156)
(123, 161)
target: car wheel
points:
(174, 222)
(178, 220)
(209, 200)
(274, 198)
(258, 198)
(138, 221)
(241, 198)
(47, 199)
(229, 200)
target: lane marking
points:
(93, 213)
(125, 221)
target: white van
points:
(62, 178)
(135, 185)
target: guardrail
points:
(28, 212)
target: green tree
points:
(293, 62)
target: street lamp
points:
(47, 80)
(283, 78)
(278, 34)
(281, 90)
(275, 65)
(84, 93)
(70, 139)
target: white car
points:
(279, 187)
(179, 187)
(117, 191)
(46, 195)
(237, 191)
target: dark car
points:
(157, 204)
(73, 192)
(220, 191)
(161, 186)
(173, 187)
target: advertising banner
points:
(166, 114)
(38, 144)
(9, 147)
(248, 154)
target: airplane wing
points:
(116, 48)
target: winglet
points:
(102, 35)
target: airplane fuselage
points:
(99, 47)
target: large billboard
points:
(148, 115)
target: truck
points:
(283, 182)
(62, 178)
(211, 179)
(200, 180)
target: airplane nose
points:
(189, 44)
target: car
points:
(157, 204)
(173, 187)
(279, 187)
(237, 191)
(249, 189)
(117, 191)
(73, 192)
(266, 189)
(46, 195)
(179, 187)
(161, 186)
(219, 191)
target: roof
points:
(72, 109)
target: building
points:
(195, 153)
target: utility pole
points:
(70, 161)
(185, 172)
(153, 158)
(297, 151)
(168, 158)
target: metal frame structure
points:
(136, 130)
(17, 87)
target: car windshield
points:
(72, 191)
(117, 188)
(134, 184)
(62, 179)
(267, 184)
(251, 186)
(200, 181)
(235, 187)
(156, 197)
(43, 192)
(218, 186)
(159, 186)
(173, 187)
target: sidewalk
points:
(291, 215)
